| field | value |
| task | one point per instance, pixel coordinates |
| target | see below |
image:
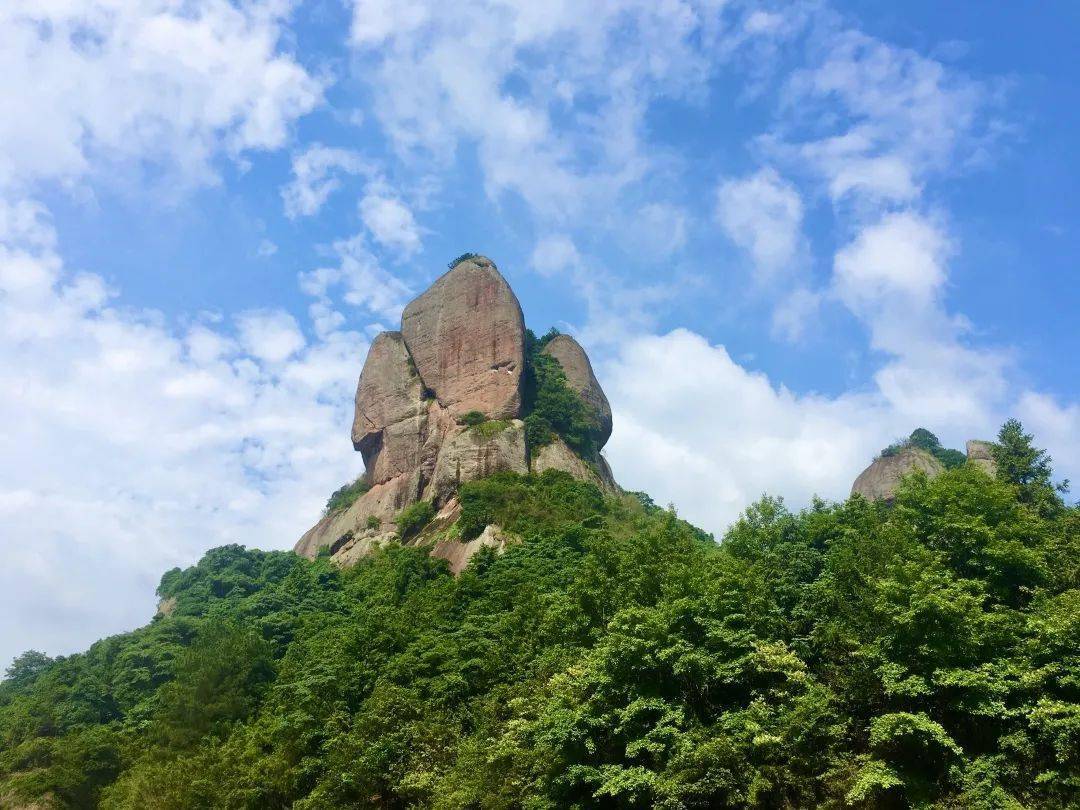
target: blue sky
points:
(787, 232)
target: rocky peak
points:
(466, 335)
(440, 403)
(981, 454)
(881, 480)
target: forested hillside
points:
(920, 654)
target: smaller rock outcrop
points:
(458, 553)
(581, 380)
(981, 454)
(881, 480)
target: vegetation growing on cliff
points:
(551, 407)
(923, 655)
(345, 496)
(925, 440)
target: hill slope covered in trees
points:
(925, 654)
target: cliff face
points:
(460, 353)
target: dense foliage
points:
(463, 257)
(925, 440)
(413, 518)
(851, 655)
(551, 407)
(472, 419)
(345, 496)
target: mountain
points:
(461, 392)
(485, 620)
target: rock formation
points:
(981, 454)
(881, 480)
(466, 336)
(580, 378)
(461, 349)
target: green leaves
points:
(551, 407)
(923, 655)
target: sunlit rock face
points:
(466, 336)
(881, 480)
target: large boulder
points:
(981, 454)
(460, 349)
(466, 335)
(881, 480)
(390, 420)
(477, 452)
(581, 380)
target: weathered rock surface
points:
(477, 453)
(459, 552)
(466, 335)
(382, 501)
(558, 456)
(390, 421)
(580, 378)
(880, 481)
(356, 547)
(981, 454)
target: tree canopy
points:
(924, 654)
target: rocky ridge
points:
(440, 403)
(881, 480)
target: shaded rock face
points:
(477, 453)
(580, 378)
(981, 454)
(880, 481)
(466, 335)
(390, 421)
(461, 348)
(558, 456)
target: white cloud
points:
(362, 282)
(555, 253)
(137, 446)
(905, 116)
(897, 263)
(315, 177)
(270, 336)
(108, 84)
(713, 437)
(794, 313)
(763, 215)
(390, 221)
(657, 230)
(445, 75)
